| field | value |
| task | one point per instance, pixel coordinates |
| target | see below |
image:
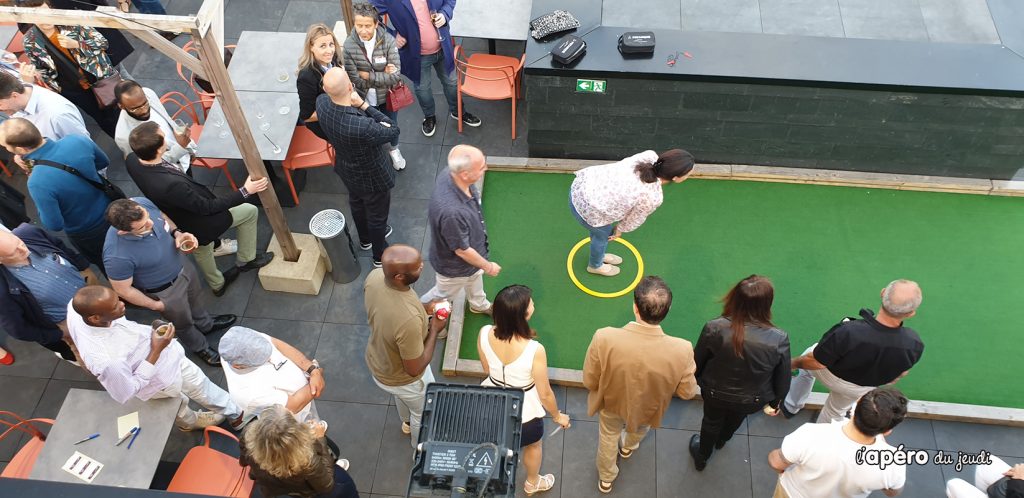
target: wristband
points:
(175, 230)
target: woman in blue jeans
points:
(612, 199)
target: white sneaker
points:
(397, 160)
(204, 419)
(612, 259)
(75, 363)
(605, 270)
(227, 246)
(406, 428)
(343, 463)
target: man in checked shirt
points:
(358, 133)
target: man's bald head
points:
(20, 132)
(336, 83)
(402, 264)
(97, 305)
(12, 249)
(901, 298)
(463, 157)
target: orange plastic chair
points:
(488, 77)
(21, 465)
(205, 98)
(306, 151)
(206, 471)
(187, 106)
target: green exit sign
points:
(590, 86)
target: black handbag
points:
(552, 23)
(113, 192)
(569, 50)
(636, 42)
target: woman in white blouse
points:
(612, 199)
(513, 359)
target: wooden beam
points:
(171, 50)
(99, 18)
(211, 16)
(346, 14)
(217, 75)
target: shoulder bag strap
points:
(45, 162)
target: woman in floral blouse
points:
(68, 60)
(612, 199)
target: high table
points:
(217, 141)
(492, 19)
(262, 57)
(86, 412)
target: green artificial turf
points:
(828, 250)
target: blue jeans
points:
(598, 238)
(423, 92)
(149, 7)
(382, 106)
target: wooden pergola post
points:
(346, 13)
(206, 28)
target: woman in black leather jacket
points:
(742, 365)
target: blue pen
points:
(137, 431)
(87, 438)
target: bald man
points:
(402, 336)
(458, 242)
(65, 201)
(361, 136)
(132, 360)
(857, 355)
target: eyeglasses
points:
(277, 366)
(138, 108)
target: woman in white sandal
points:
(512, 358)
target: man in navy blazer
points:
(424, 42)
(30, 309)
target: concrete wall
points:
(813, 127)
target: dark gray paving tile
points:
(182, 7)
(913, 433)
(760, 424)
(958, 21)
(21, 395)
(395, 460)
(69, 371)
(311, 203)
(551, 462)
(416, 181)
(146, 64)
(54, 394)
(347, 304)
(654, 14)
(361, 447)
(883, 19)
(732, 16)
(350, 379)
(300, 14)
(287, 306)
(303, 336)
(959, 436)
(579, 472)
(494, 135)
(322, 180)
(253, 15)
(30, 359)
(236, 298)
(687, 415)
(727, 473)
(410, 119)
(923, 480)
(576, 404)
(179, 443)
(801, 17)
(762, 476)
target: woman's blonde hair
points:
(279, 444)
(316, 31)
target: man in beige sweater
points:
(632, 373)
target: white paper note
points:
(126, 423)
(82, 467)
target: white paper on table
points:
(126, 423)
(82, 467)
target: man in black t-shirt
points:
(858, 355)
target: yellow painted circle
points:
(630, 287)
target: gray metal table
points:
(492, 20)
(218, 142)
(86, 412)
(261, 57)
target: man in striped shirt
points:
(132, 360)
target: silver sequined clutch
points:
(558, 21)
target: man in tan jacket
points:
(632, 373)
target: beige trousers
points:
(612, 433)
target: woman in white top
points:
(612, 199)
(512, 358)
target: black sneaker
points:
(368, 245)
(467, 119)
(429, 124)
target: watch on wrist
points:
(245, 192)
(314, 365)
(175, 230)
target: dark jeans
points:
(383, 107)
(370, 215)
(90, 244)
(721, 419)
(62, 348)
(424, 95)
(344, 486)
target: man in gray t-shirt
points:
(458, 248)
